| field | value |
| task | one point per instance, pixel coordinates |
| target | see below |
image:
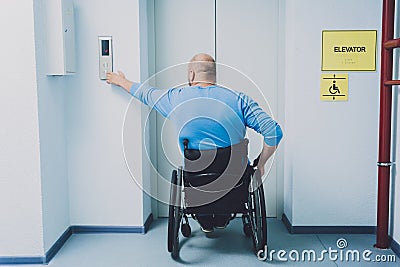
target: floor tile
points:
(229, 247)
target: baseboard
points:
(327, 229)
(395, 247)
(148, 222)
(287, 223)
(95, 229)
(57, 245)
(76, 229)
(22, 260)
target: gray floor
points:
(227, 247)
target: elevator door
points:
(242, 36)
(182, 29)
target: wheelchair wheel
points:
(175, 213)
(258, 216)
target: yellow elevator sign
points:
(349, 50)
(334, 87)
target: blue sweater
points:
(209, 117)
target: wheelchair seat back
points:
(216, 181)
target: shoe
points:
(206, 222)
(221, 220)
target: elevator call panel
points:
(105, 56)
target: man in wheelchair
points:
(208, 117)
(215, 183)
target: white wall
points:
(101, 191)
(330, 148)
(38, 112)
(51, 95)
(20, 192)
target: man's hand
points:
(119, 80)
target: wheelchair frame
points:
(253, 216)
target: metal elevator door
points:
(242, 36)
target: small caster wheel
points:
(247, 229)
(185, 229)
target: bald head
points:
(202, 69)
(202, 57)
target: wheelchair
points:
(219, 181)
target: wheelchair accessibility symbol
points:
(334, 87)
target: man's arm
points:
(157, 99)
(262, 123)
(119, 79)
(266, 153)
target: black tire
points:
(177, 222)
(258, 215)
(175, 214)
(171, 211)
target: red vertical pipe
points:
(385, 121)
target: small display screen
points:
(105, 47)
